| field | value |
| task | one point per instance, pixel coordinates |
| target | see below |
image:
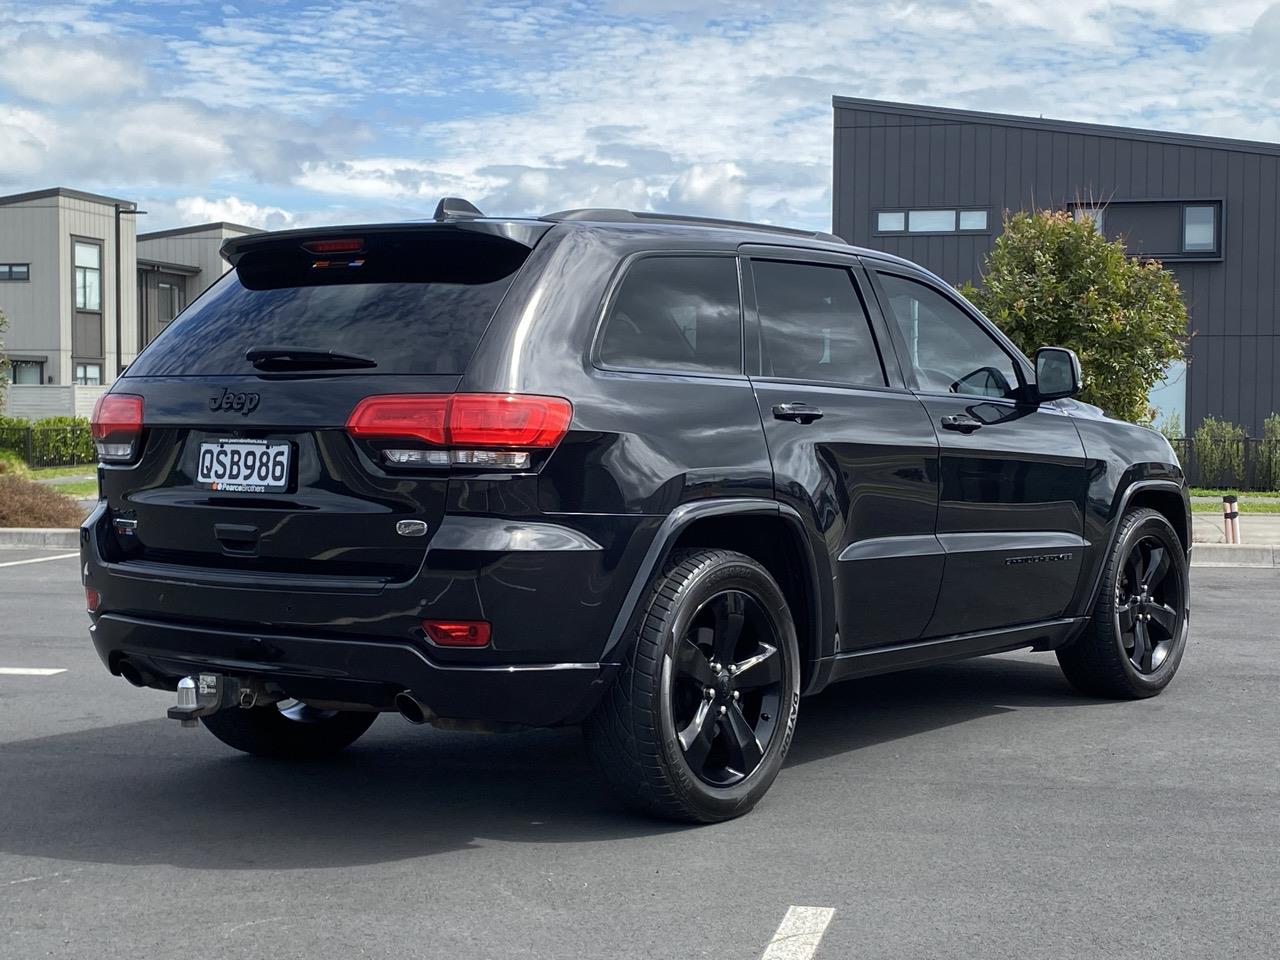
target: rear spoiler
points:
(525, 233)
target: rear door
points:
(247, 463)
(1013, 474)
(853, 451)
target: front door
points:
(852, 449)
(1013, 475)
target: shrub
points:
(26, 503)
(1050, 281)
(1219, 451)
(50, 442)
(1269, 454)
(12, 465)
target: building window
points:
(15, 272)
(1200, 228)
(931, 221)
(88, 265)
(1093, 214)
(169, 302)
(89, 374)
(26, 372)
(891, 221)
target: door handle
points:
(961, 422)
(797, 412)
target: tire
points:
(293, 731)
(1120, 654)
(714, 668)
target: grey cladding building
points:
(931, 184)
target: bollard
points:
(1230, 519)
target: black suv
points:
(660, 476)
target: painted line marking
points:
(799, 933)
(31, 671)
(18, 563)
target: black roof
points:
(67, 192)
(949, 115)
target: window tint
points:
(813, 325)
(949, 351)
(413, 304)
(676, 313)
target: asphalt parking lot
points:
(974, 810)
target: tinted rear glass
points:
(676, 313)
(412, 303)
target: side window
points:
(813, 325)
(676, 313)
(950, 352)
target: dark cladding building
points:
(931, 184)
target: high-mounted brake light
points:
(480, 429)
(343, 245)
(117, 426)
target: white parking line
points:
(31, 671)
(799, 933)
(18, 563)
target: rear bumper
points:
(352, 643)
(356, 671)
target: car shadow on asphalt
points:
(149, 792)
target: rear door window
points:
(677, 314)
(411, 304)
(813, 325)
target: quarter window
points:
(676, 313)
(88, 266)
(813, 325)
(948, 349)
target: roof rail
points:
(612, 215)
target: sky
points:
(279, 114)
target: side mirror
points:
(1057, 373)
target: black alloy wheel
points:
(698, 721)
(1134, 641)
(726, 688)
(1149, 605)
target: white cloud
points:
(65, 72)
(377, 109)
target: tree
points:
(4, 361)
(1053, 281)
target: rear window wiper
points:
(304, 358)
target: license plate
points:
(244, 466)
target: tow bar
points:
(207, 693)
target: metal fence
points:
(1249, 464)
(50, 446)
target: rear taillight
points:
(468, 429)
(117, 426)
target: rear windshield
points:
(411, 304)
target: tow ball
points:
(207, 693)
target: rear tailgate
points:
(246, 465)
